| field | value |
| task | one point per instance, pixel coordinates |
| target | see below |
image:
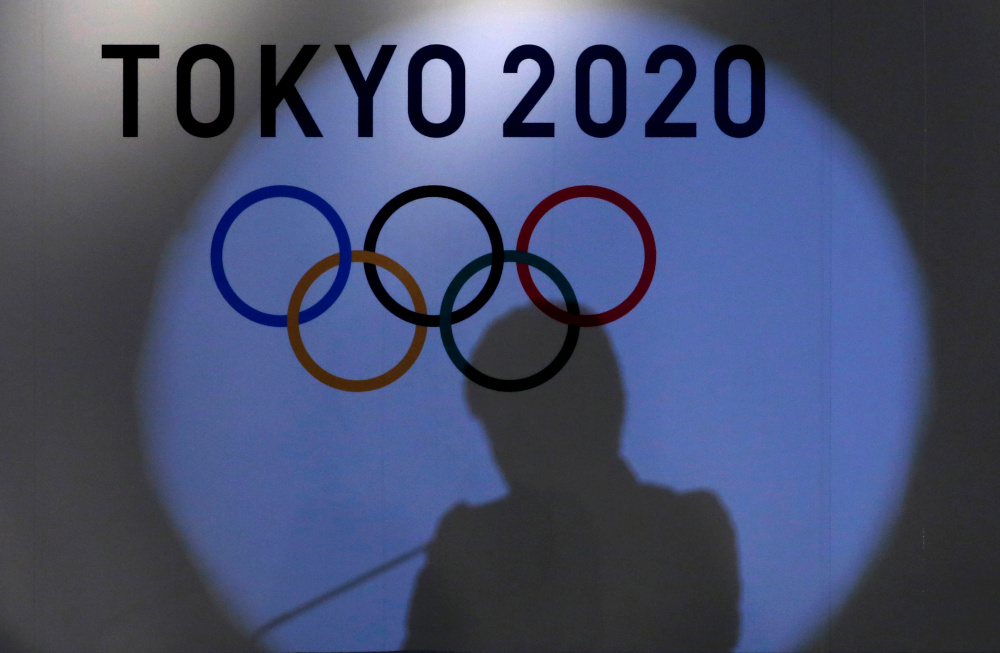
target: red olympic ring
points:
(648, 248)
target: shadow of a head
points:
(564, 433)
(581, 556)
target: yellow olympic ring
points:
(295, 336)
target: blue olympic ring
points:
(245, 202)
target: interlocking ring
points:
(418, 316)
(492, 382)
(496, 256)
(219, 240)
(648, 249)
(295, 336)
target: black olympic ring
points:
(496, 254)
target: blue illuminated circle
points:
(778, 359)
(219, 241)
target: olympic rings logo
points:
(448, 314)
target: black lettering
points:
(657, 125)
(618, 108)
(272, 94)
(757, 108)
(227, 90)
(415, 90)
(515, 126)
(365, 88)
(130, 55)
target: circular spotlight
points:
(778, 358)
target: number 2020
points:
(657, 126)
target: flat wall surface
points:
(804, 229)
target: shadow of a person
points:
(579, 555)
